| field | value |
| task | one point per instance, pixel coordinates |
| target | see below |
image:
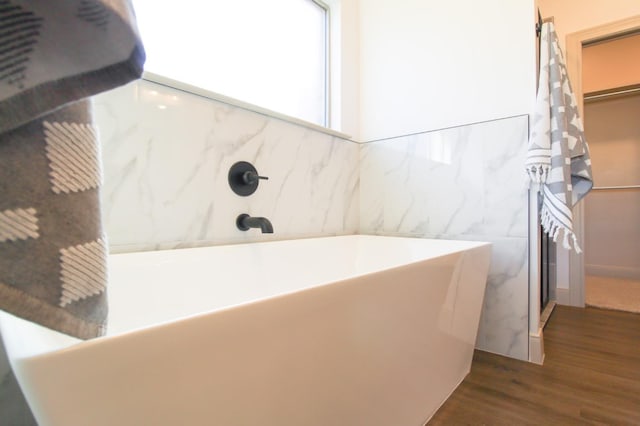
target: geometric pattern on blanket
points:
(83, 271)
(558, 155)
(95, 12)
(18, 224)
(24, 36)
(54, 55)
(73, 156)
(53, 253)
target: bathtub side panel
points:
(385, 349)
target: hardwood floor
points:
(591, 375)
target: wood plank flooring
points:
(591, 376)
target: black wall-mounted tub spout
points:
(244, 222)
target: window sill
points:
(198, 91)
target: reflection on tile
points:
(166, 155)
(460, 183)
(464, 180)
(504, 324)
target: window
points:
(269, 53)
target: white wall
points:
(433, 64)
(345, 67)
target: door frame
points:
(570, 266)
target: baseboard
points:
(563, 296)
(536, 347)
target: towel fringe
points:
(538, 173)
(575, 243)
(553, 228)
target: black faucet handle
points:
(250, 177)
(244, 178)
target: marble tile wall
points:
(460, 183)
(166, 156)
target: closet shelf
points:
(617, 92)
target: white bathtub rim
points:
(64, 343)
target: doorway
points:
(570, 267)
(611, 89)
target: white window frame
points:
(331, 95)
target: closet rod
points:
(607, 188)
(614, 93)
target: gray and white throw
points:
(558, 156)
(55, 54)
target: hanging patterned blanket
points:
(54, 55)
(558, 156)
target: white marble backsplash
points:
(460, 183)
(166, 156)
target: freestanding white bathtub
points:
(354, 330)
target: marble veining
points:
(460, 183)
(166, 155)
(505, 314)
